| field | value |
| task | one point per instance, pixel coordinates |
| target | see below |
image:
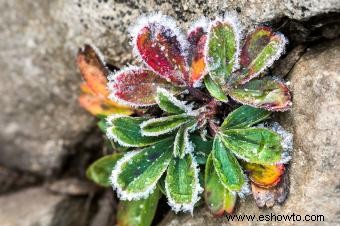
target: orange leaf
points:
(197, 39)
(93, 70)
(101, 107)
(84, 87)
(264, 175)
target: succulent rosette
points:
(166, 153)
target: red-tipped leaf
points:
(161, 47)
(263, 93)
(197, 39)
(261, 48)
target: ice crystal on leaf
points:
(180, 124)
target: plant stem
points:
(198, 94)
(213, 128)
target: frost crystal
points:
(276, 56)
(160, 132)
(114, 80)
(189, 147)
(114, 85)
(245, 189)
(202, 22)
(111, 136)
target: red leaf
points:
(136, 87)
(162, 49)
(197, 38)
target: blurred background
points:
(47, 140)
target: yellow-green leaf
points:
(100, 171)
(218, 198)
(138, 213)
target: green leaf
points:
(182, 144)
(138, 172)
(126, 131)
(164, 125)
(263, 93)
(100, 171)
(243, 117)
(261, 48)
(202, 148)
(168, 102)
(222, 49)
(182, 184)
(138, 213)
(214, 89)
(227, 167)
(218, 198)
(255, 145)
(102, 125)
(161, 184)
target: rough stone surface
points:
(40, 118)
(72, 186)
(37, 207)
(315, 121)
(105, 215)
(106, 23)
(11, 180)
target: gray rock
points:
(40, 118)
(106, 23)
(315, 122)
(72, 187)
(105, 215)
(37, 207)
(11, 180)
